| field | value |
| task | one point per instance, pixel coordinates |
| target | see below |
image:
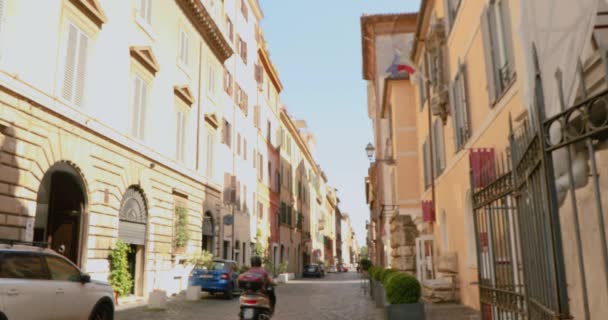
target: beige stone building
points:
(391, 188)
(102, 121)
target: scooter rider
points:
(256, 267)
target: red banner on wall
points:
(483, 166)
(428, 211)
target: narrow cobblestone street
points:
(335, 297)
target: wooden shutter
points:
(178, 134)
(81, 69)
(148, 13)
(449, 19)
(70, 63)
(143, 109)
(137, 83)
(505, 12)
(465, 102)
(210, 148)
(488, 47)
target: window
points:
(227, 133)
(244, 9)
(145, 11)
(61, 270)
(75, 66)
(289, 214)
(460, 108)
(260, 211)
(242, 100)
(452, 7)
(242, 49)
(245, 208)
(210, 152)
(238, 144)
(422, 85)
(229, 29)
(244, 149)
(181, 135)
(498, 48)
(439, 146)
(211, 80)
(22, 266)
(260, 166)
(283, 213)
(269, 131)
(256, 116)
(426, 155)
(139, 107)
(184, 48)
(269, 173)
(227, 82)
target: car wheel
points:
(102, 311)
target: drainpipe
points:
(198, 115)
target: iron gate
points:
(520, 201)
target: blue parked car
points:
(221, 278)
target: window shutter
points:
(465, 102)
(143, 107)
(508, 35)
(70, 63)
(81, 70)
(489, 55)
(447, 5)
(136, 104)
(148, 11)
(178, 135)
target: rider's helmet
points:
(256, 262)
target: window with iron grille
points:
(498, 48)
(460, 108)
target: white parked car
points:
(38, 283)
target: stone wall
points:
(403, 243)
(33, 139)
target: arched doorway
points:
(208, 232)
(132, 226)
(60, 208)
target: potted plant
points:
(376, 283)
(120, 278)
(403, 295)
(282, 270)
(383, 276)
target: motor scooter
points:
(255, 303)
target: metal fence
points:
(521, 199)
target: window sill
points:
(505, 91)
(145, 26)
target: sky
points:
(316, 47)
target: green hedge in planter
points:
(402, 288)
(384, 276)
(365, 264)
(377, 272)
(371, 271)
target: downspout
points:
(198, 115)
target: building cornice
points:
(205, 25)
(381, 24)
(296, 134)
(257, 10)
(272, 72)
(422, 21)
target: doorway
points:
(61, 203)
(132, 228)
(208, 232)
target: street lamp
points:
(371, 150)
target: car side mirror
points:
(85, 278)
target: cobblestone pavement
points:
(335, 297)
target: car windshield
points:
(218, 266)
